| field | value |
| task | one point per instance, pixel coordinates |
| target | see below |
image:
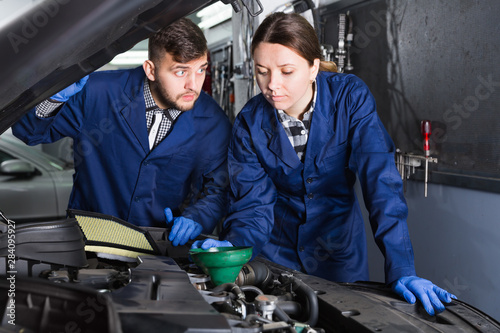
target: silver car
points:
(34, 186)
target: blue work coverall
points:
(117, 174)
(306, 215)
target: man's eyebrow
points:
(179, 66)
(183, 66)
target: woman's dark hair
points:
(294, 32)
(182, 39)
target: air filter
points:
(110, 236)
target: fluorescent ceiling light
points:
(214, 14)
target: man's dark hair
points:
(182, 39)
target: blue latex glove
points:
(430, 295)
(183, 229)
(209, 242)
(69, 91)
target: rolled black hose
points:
(262, 273)
(311, 298)
(256, 274)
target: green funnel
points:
(222, 263)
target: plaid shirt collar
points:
(170, 115)
(148, 97)
(152, 107)
(297, 130)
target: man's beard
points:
(167, 100)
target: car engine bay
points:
(58, 285)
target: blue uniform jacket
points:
(115, 171)
(305, 215)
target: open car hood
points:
(60, 41)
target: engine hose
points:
(278, 312)
(252, 288)
(227, 309)
(282, 315)
(291, 308)
(230, 287)
(257, 318)
(312, 299)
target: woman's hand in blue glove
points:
(430, 295)
(71, 90)
(209, 242)
(183, 228)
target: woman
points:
(293, 159)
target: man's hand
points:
(430, 295)
(69, 91)
(209, 242)
(183, 228)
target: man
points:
(148, 144)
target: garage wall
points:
(455, 237)
(438, 60)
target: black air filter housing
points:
(55, 242)
(36, 305)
